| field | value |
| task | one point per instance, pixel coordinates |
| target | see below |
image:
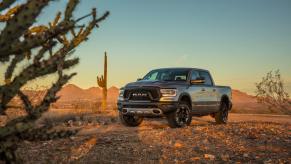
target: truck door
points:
(211, 102)
(197, 93)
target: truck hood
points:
(160, 84)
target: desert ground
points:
(101, 138)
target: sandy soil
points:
(246, 138)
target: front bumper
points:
(145, 108)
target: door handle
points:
(202, 89)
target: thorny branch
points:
(17, 39)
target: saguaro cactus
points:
(102, 82)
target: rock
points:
(268, 161)
(72, 138)
(26, 142)
(178, 145)
(246, 155)
(104, 123)
(195, 158)
(77, 123)
(70, 122)
(209, 156)
(225, 157)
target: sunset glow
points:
(239, 42)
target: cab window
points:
(194, 75)
(153, 76)
(206, 76)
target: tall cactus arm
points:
(105, 69)
(101, 81)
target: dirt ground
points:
(246, 138)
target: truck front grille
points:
(142, 94)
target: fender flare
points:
(187, 95)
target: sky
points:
(238, 41)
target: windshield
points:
(167, 75)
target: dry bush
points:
(58, 116)
(77, 116)
(271, 92)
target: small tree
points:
(271, 91)
(45, 49)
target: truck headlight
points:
(168, 92)
(121, 92)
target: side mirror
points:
(198, 81)
(139, 79)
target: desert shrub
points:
(271, 92)
(63, 116)
(45, 49)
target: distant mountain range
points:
(243, 103)
(72, 92)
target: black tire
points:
(181, 117)
(221, 117)
(129, 120)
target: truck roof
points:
(183, 68)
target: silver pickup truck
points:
(176, 93)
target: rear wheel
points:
(181, 117)
(130, 120)
(221, 117)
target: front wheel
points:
(181, 117)
(221, 117)
(130, 120)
